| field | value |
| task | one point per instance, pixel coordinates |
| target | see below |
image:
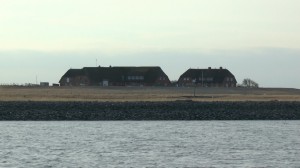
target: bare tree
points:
(249, 83)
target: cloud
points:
(121, 26)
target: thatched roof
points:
(218, 75)
(117, 74)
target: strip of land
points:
(148, 103)
(148, 94)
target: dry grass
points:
(145, 94)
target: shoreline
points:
(147, 110)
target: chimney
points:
(221, 67)
(209, 67)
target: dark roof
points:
(116, 74)
(218, 75)
(73, 73)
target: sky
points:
(257, 39)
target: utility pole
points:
(202, 78)
(195, 85)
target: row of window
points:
(200, 79)
(209, 79)
(142, 78)
(135, 77)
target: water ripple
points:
(150, 144)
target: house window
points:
(135, 77)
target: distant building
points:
(44, 83)
(208, 78)
(115, 76)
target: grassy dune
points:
(121, 94)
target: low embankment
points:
(175, 110)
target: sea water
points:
(150, 144)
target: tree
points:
(249, 83)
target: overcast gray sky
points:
(258, 39)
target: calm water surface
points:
(150, 144)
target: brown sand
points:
(122, 94)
